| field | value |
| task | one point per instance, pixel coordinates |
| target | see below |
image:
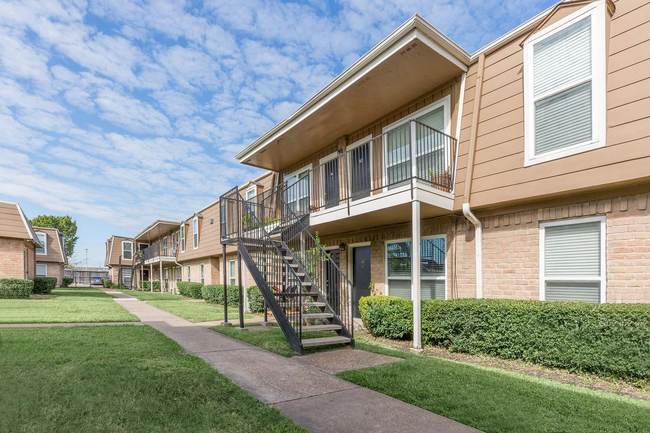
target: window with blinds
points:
(562, 84)
(572, 262)
(432, 268)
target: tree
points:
(66, 225)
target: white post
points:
(415, 276)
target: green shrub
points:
(189, 289)
(213, 293)
(604, 339)
(114, 286)
(66, 281)
(255, 300)
(387, 316)
(106, 282)
(146, 285)
(15, 288)
(44, 285)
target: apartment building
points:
(156, 254)
(18, 243)
(519, 171)
(50, 257)
(119, 259)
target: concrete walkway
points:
(311, 397)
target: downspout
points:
(467, 211)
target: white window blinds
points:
(572, 262)
(432, 268)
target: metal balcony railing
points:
(166, 249)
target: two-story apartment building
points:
(519, 171)
(119, 259)
(18, 243)
(156, 254)
(50, 257)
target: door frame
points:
(350, 255)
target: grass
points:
(273, 340)
(489, 399)
(119, 379)
(182, 307)
(82, 304)
(495, 400)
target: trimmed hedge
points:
(255, 300)
(146, 285)
(106, 282)
(387, 316)
(213, 293)
(44, 285)
(604, 339)
(66, 281)
(189, 289)
(15, 288)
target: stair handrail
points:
(329, 258)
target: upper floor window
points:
(251, 193)
(42, 238)
(195, 232)
(127, 250)
(183, 237)
(564, 86)
(297, 192)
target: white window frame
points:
(429, 278)
(124, 243)
(597, 13)
(603, 256)
(249, 189)
(41, 264)
(189, 269)
(297, 174)
(444, 102)
(183, 237)
(195, 232)
(202, 274)
(232, 271)
(44, 243)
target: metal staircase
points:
(303, 287)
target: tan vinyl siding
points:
(499, 172)
(11, 222)
(54, 253)
(116, 251)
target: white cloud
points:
(131, 113)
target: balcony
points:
(378, 179)
(164, 251)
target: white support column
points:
(415, 276)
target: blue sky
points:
(120, 112)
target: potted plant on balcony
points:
(440, 179)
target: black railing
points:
(163, 248)
(382, 164)
(298, 279)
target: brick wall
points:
(12, 258)
(54, 270)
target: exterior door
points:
(360, 171)
(331, 182)
(361, 276)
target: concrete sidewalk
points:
(314, 399)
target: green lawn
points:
(119, 379)
(187, 309)
(272, 340)
(82, 304)
(495, 400)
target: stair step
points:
(310, 342)
(304, 304)
(306, 328)
(314, 315)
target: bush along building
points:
(425, 172)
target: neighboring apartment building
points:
(157, 249)
(18, 243)
(119, 259)
(519, 171)
(50, 257)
